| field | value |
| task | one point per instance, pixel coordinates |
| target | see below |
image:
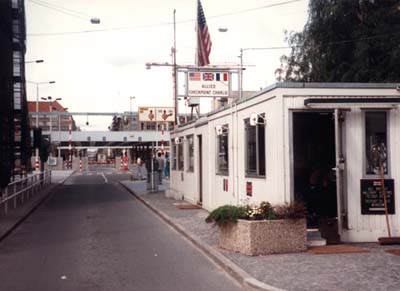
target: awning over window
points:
(336, 101)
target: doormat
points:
(336, 249)
(186, 206)
(394, 252)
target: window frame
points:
(218, 170)
(247, 126)
(174, 155)
(180, 161)
(364, 144)
(190, 155)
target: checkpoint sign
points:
(208, 84)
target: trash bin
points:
(152, 181)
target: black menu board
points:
(372, 196)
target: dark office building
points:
(15, 148)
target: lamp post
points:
(241, 62)
(51, 101)
(37, 116)
(131, 113)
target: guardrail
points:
(22, 189)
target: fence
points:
(17, 192)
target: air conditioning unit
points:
(177, 140)
(220, 129)
(254, 117)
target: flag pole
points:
(174, 74)
(196, 53)
(197, 50)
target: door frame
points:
(200, 168)
(339, 135)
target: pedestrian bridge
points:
(103, 137)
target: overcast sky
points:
(97, 67)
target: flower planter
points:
(263, 237)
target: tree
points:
(345, 41)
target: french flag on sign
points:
(221, 76)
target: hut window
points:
(174, 150)
(180, 156)
(190, 143)
(222, 152)
(255, 148)
(376, 142)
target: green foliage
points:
(226, 214)
(345, 41)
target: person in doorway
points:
(160, 170)
(167, 164)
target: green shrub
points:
(226, 214)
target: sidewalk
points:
(18, 215)
(374, 269)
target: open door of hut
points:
(317, 178)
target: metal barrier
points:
(23, 189)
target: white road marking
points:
(105, 179)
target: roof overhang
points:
(362, 102)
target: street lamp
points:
(35, 61)
(131, 113)
(241, 61)
(37, 115)
(51, 110)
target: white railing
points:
(23, 189)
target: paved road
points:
(93, 235)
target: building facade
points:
(331, 146)
(15, 138)
(57, 123)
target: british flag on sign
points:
(208, 76)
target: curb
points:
(30, 209)
(235, 271)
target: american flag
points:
(194, 76)
(203, 38)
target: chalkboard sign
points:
(372, 196)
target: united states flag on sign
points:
(203, 38)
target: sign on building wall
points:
(159, 114)
(208, 84)
(372, 200)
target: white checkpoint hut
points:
(320, 143)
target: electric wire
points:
(62, 7)
(58, 10)
(163, 23)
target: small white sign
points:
(52, 161)
(165, 114)
(208, 84)
(147, 114)
(157, 114)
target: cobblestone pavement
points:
(373, 270)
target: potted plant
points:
(261, 229)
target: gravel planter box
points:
(263, 237)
